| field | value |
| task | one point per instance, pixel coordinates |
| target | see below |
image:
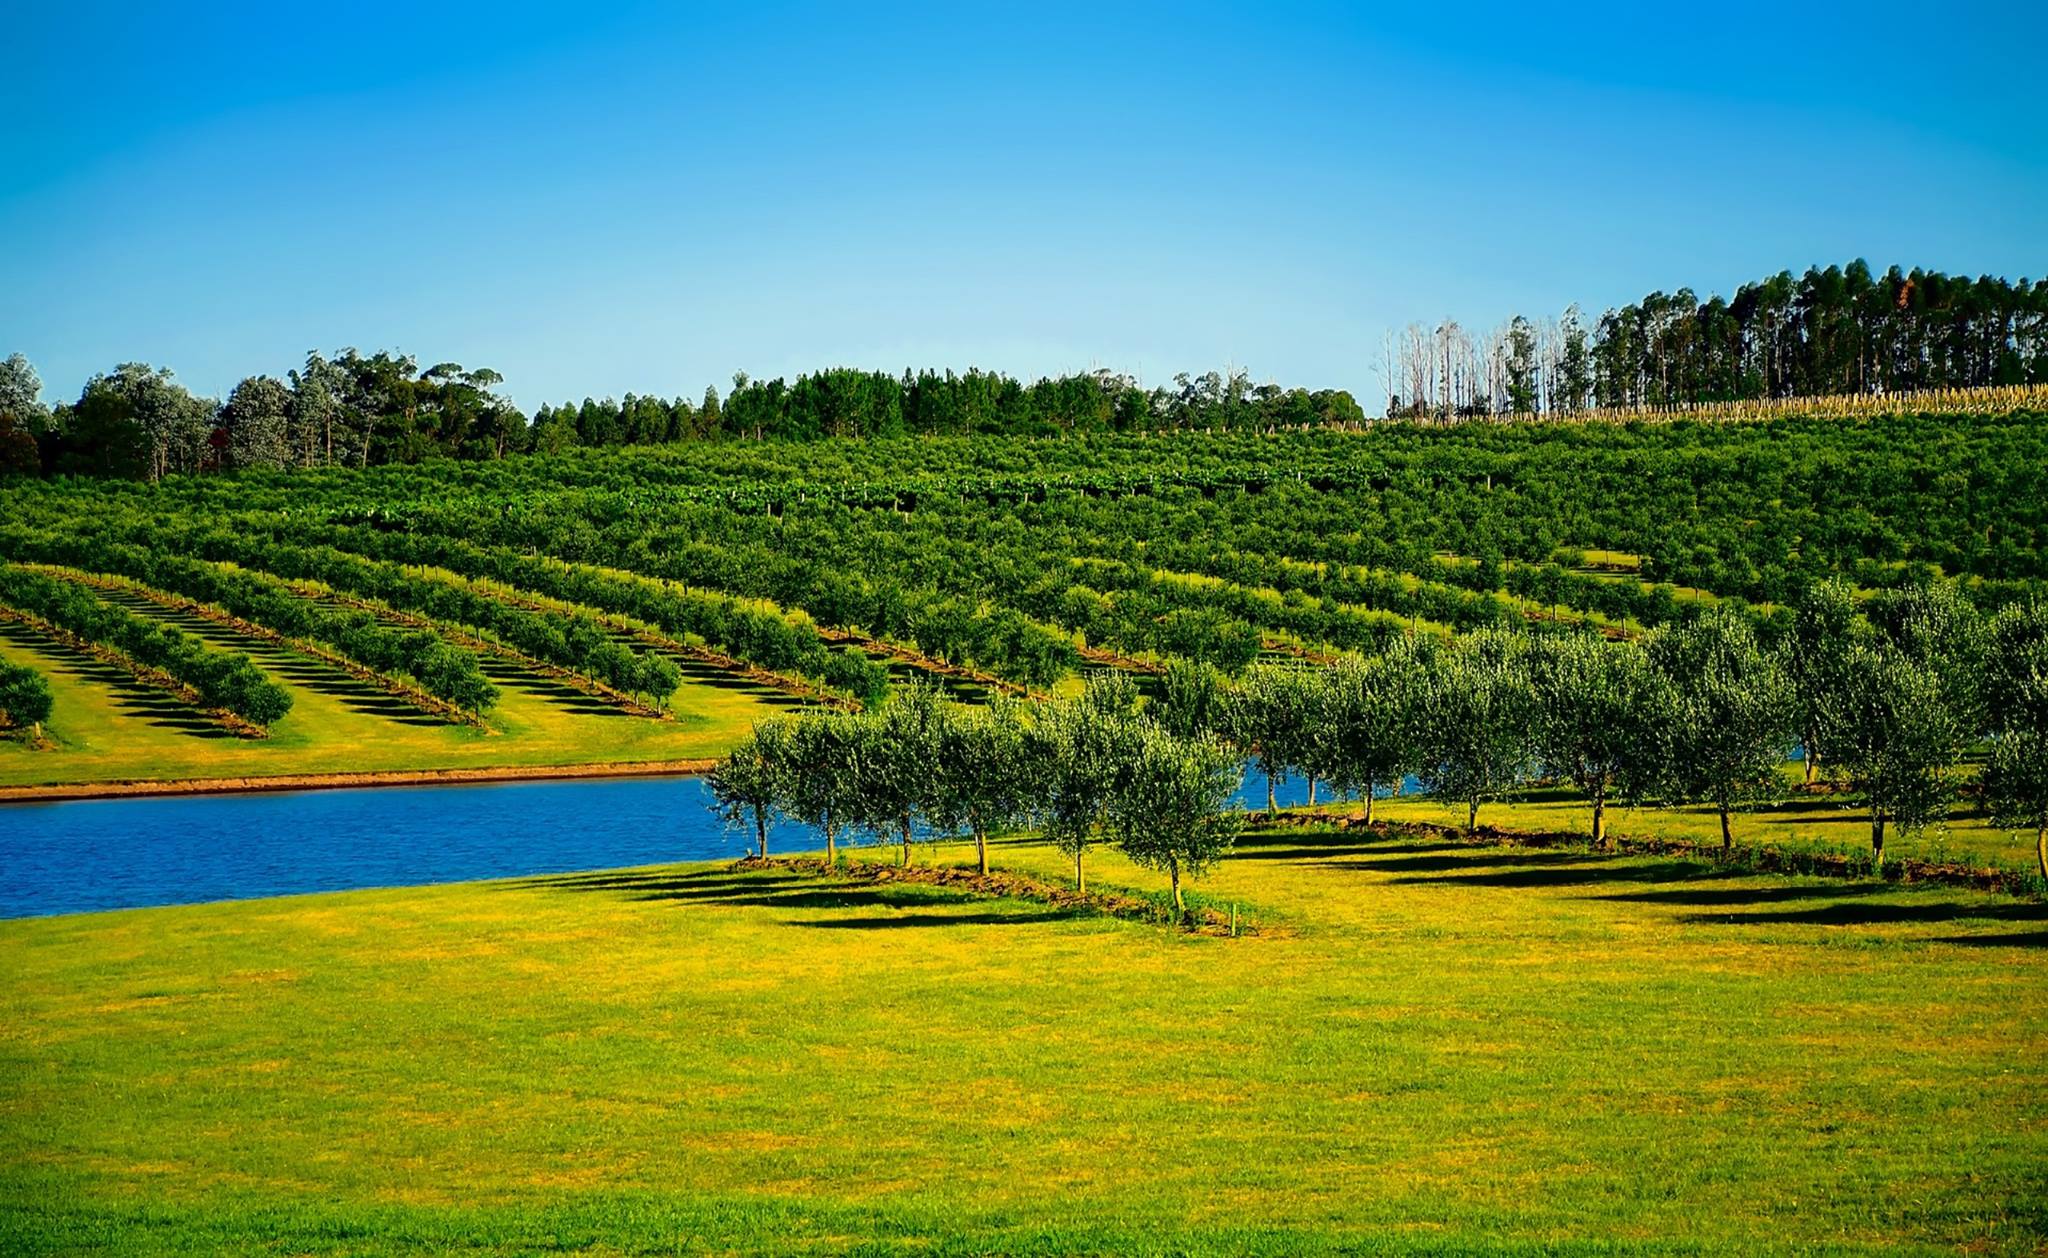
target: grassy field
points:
(107, 727)
(1430, 1048)
(1836, 823)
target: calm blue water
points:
(128, 853)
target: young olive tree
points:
(1270, 718)
(1083, 749)
(1823, 630)
(822, 786)
(1193, 698)
(2016, 701)
(1602, 719)
(24, 699)
(985, 772)
(1729, 714)
(1478, 720)
(899, 773)
(1376, 713)
(1897, 734)
(1172, 810)
(752, 779)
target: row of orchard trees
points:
(1889, 694)
(228, 680)
(1088, 769)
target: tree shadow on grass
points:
(2021, 939)
(1275, 845)
(664, 880)
(780, 890)
(1880, 914)
(1708, 897)
(1585, 871)
(936, 919)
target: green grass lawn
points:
(107, 727)
(1430, 1048)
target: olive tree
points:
(1478, 720)
(1193, 698)
(1729, 716)
(1172, 809)
(24, 699)
(1601, 719)
(822, 786)
(984, 778)
(749, 782)
(2016, 702)
(1896, 733)
(1823, 630)
(1272, 718)
(1376, 710)
(1083, 748)
(899, 774)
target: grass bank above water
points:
(1445, 1049)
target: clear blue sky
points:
(651, 197)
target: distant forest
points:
(1842, 330)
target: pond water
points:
(128, 853)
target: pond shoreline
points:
(60, 792)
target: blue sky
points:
(652, 197)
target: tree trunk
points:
(1173, 866)
(2041, 849)
(906, 840)
(761, 833)
(1311, 792)
(1272, 802)
(1727, 837)
(831, 847)
(1080, 879)
(1600, 819)
(1812, 762)
(1368, 802)
(1471, 818)
(1877, 838)
(981, 849)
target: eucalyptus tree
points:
(823, 785)
(2016, 701)
(25, 700)
(1824, 624)
(752, 779)
(1083, 749)
(1376, 715)
(1479, 720)
(985, 777)
(1729, 715)
(1171, 811)
(1603, 719)
(257, 421)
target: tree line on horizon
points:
(1831, 331)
